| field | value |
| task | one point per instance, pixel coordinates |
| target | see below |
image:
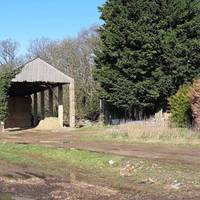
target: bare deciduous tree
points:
(73, 56)
(8, 50)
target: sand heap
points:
(49, 123)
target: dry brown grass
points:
(151, 131)
(148, 132)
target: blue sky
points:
(25, 20)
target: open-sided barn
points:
(36, 77)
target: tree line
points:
(139, 57)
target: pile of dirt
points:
(48, 124)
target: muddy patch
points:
(52, 188)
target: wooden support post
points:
(2, 128)
(35, 109)
(71, 105)
(60, 105)
(42, 104)
(50, 102)
(101, 117)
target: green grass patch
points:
(32, 155)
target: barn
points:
(27, 94)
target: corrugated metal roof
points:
(38, 70)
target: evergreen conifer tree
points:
(148, 49)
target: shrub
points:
(6, 75)
(92, 109)
(180, 107)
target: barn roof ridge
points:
(38, 70)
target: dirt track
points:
(67, 139)
(30, 184)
